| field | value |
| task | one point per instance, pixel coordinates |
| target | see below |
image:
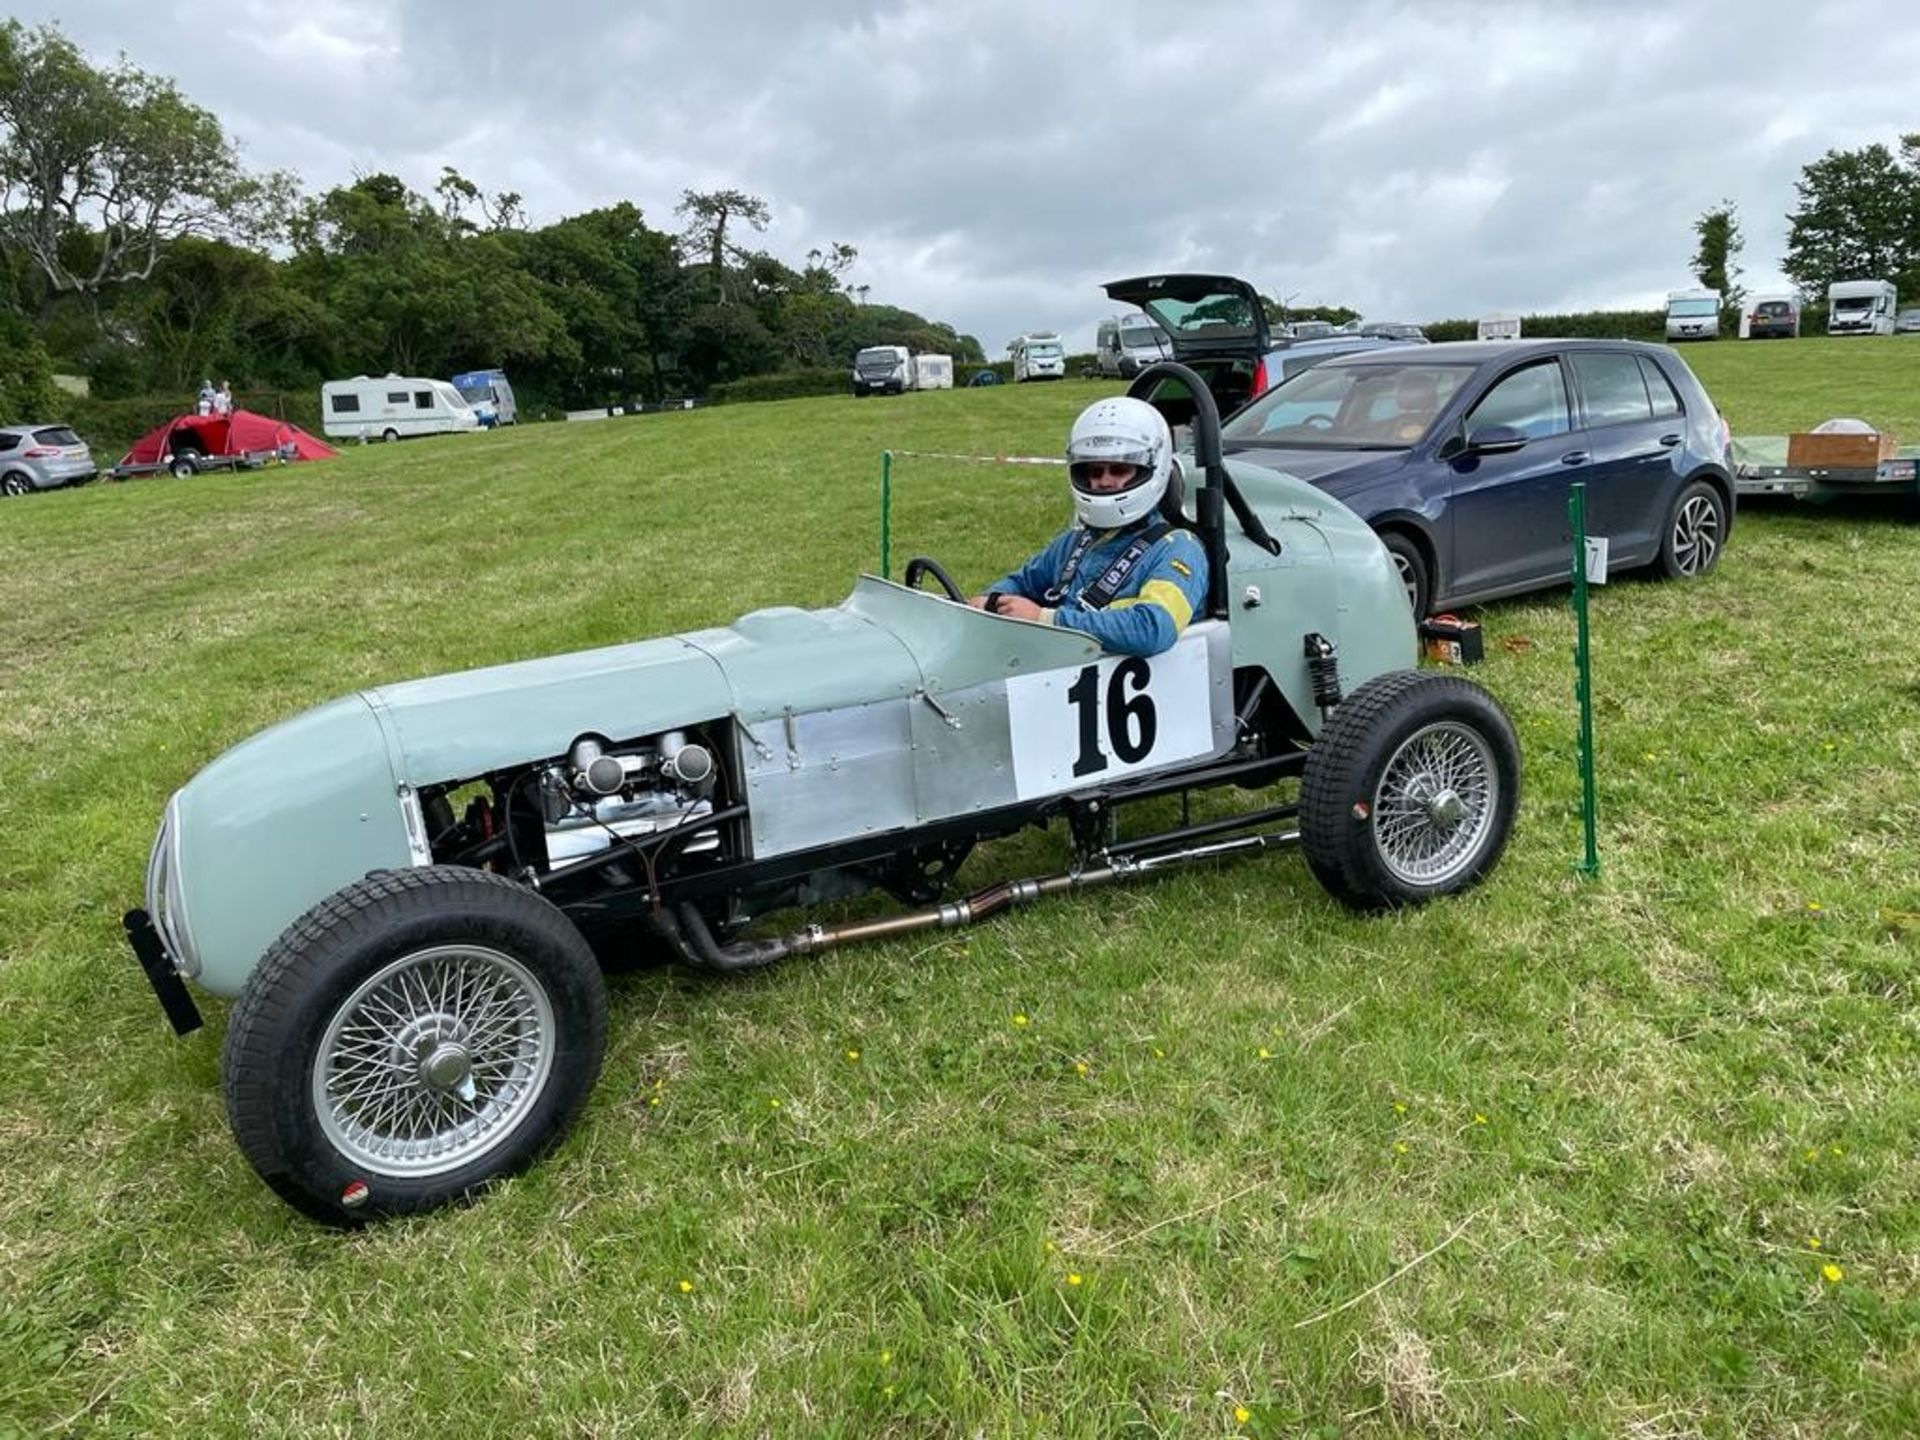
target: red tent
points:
(241, 433)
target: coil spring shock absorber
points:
(1323, 669)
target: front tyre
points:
(412, 1038)
(1410, 791)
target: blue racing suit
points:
(1150, 607)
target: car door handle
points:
(1575, 457)
(1667, 442)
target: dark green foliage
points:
(1714, 263)
(1858, 219)
(1586, 325)
(27, 392)
(784, 385)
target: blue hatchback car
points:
(1462, 455)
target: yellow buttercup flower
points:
(1833, 1273)
(1073, 1279)
(1019, 1022)
(1241, 1414)
(853, 1055)
(686, 1287)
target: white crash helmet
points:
(1128, 432)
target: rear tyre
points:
(1410, 791)
(1412, 566)
(409, 1040)
(181, 467)
(1696, 528)
(389, 435)
(15, 482)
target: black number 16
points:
(1131, 723)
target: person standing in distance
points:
(1122, 572)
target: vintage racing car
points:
(405, 890)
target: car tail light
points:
(43, 452)
(1259, 378)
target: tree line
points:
(136, 250)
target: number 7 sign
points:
(1086, 725)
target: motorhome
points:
(392, 407)
(1124, 345)
(491, 397)
(932, 372)
(1693, 314)
(1498, 326)
(1038, 356)
(1773, 316)
(882, 370)
(1861, 307)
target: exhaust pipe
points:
(684, 928)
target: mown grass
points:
(1204, 1156)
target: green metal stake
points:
(886, 505)
(1583, 676)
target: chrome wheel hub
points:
(1696, 535)
(433, 1061)
(1435, 805)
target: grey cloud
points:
(995, 161)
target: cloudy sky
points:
(995, 160)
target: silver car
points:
(42, 457)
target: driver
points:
(1122, 572)
(1416, 400)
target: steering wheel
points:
(1317, 422)
(921, 566)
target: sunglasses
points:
(1100, 469)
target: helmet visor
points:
(1110, 475)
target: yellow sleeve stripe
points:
(1167, 596)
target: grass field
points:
(1634, 1156)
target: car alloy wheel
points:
(1696, 534)
(15, 483)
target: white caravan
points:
(1693, 314)
(933, 372)
(1038, 357)
(1861, 307)
(1498, 326)
(392, 407)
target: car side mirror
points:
(1495, 440)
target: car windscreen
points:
(1212, 317)
(56, 435)
(472, 393)
(1773, 309)
(1142, 337)
(1349, 407)
(1044, 352)
(877, 357)
(1853, 302)
(1693, 309)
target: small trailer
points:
(1770, 465)
(189, 463)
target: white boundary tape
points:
(981, 459)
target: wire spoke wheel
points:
(433, 1060)
(1696, 535)
(1436, 803)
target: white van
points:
(1861, 307)
(882, 370)
(933, 372)
(1498, 326)
(1038, 356)
(1693, 314)
(390, 407)
(1124, 345)
(491, 397)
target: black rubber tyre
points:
(14, 482)
(1696, 529)
(1412, 566)
(181, 467)
(1410, 791)
(389, 435)
(361, 1082)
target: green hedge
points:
(1586, 325)
(783, 385)
(111, 426)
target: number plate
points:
(1075, 729)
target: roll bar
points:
(1218, 493)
